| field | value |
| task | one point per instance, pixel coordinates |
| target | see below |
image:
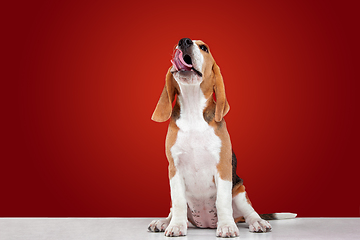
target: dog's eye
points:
(204, 48)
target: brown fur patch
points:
(170, 141)
(238, 189)
(224, 166)
(163, 108)
(239, 220)
(222, 106)
(207, 86)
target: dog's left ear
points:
(222, 106)
(163, 109)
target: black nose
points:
(185, 43)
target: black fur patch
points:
(209, 113)
(176, 111)
(235, 178)
(268, 216)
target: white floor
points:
(136, 229)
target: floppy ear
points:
(163, 108)
(222, 106)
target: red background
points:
(81, 79)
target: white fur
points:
(160, 225)
(196, 153)
(226, 224)
(192, 102)
(178, 223)
(243, 208)
(197, 58)
(256, 224)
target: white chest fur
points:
(196, 155)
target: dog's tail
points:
(278, 216)
(271, 216)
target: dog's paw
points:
(158, 225)
(227, 230)
(176, 230)
(259, 226)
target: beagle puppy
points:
(205, 189)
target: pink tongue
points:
(179, 63)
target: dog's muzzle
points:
(181, 60)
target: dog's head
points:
(192, 63)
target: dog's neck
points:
(192, 103)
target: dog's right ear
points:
(163, 109)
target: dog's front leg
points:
(226, 224)
(178, 223)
